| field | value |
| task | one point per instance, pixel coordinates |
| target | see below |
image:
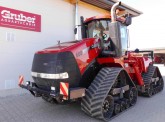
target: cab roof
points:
(100, 17)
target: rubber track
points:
(147, 77)
(98, 90)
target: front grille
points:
(55, 63)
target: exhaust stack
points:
(114, 31)
(113, 11)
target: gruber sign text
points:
(19, 19)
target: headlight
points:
(50, 76)
(64, 75)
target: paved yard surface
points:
(19, 106)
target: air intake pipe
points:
(113, 11)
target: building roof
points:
(107, 4)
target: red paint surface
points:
(12, 18)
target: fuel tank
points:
(65, 62)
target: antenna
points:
(58, 42)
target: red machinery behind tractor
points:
(159, 59)
(99, 70)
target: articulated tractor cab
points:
(98, 70)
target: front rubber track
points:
(98, 91)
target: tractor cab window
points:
(98, 29)
(124, 38)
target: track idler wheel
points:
(122, 105)
(108, 107)
(131, 95)
(116, 108)
(127, 103)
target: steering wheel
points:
(104, 36)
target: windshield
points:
(98, 29)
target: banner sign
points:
(19, 19)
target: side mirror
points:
(128, 20)
(75, 31)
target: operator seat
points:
(108, 48)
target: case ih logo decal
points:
(20, 20)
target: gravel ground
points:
(19, 106)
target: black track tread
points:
(147, 77)
(98, 90)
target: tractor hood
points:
(64, 62)
(58, 48)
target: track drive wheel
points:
(131, 95)
(108, 107)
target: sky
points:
(147, 30)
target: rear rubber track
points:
(150, 86)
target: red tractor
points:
(98, 70)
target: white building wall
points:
(57, 23)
